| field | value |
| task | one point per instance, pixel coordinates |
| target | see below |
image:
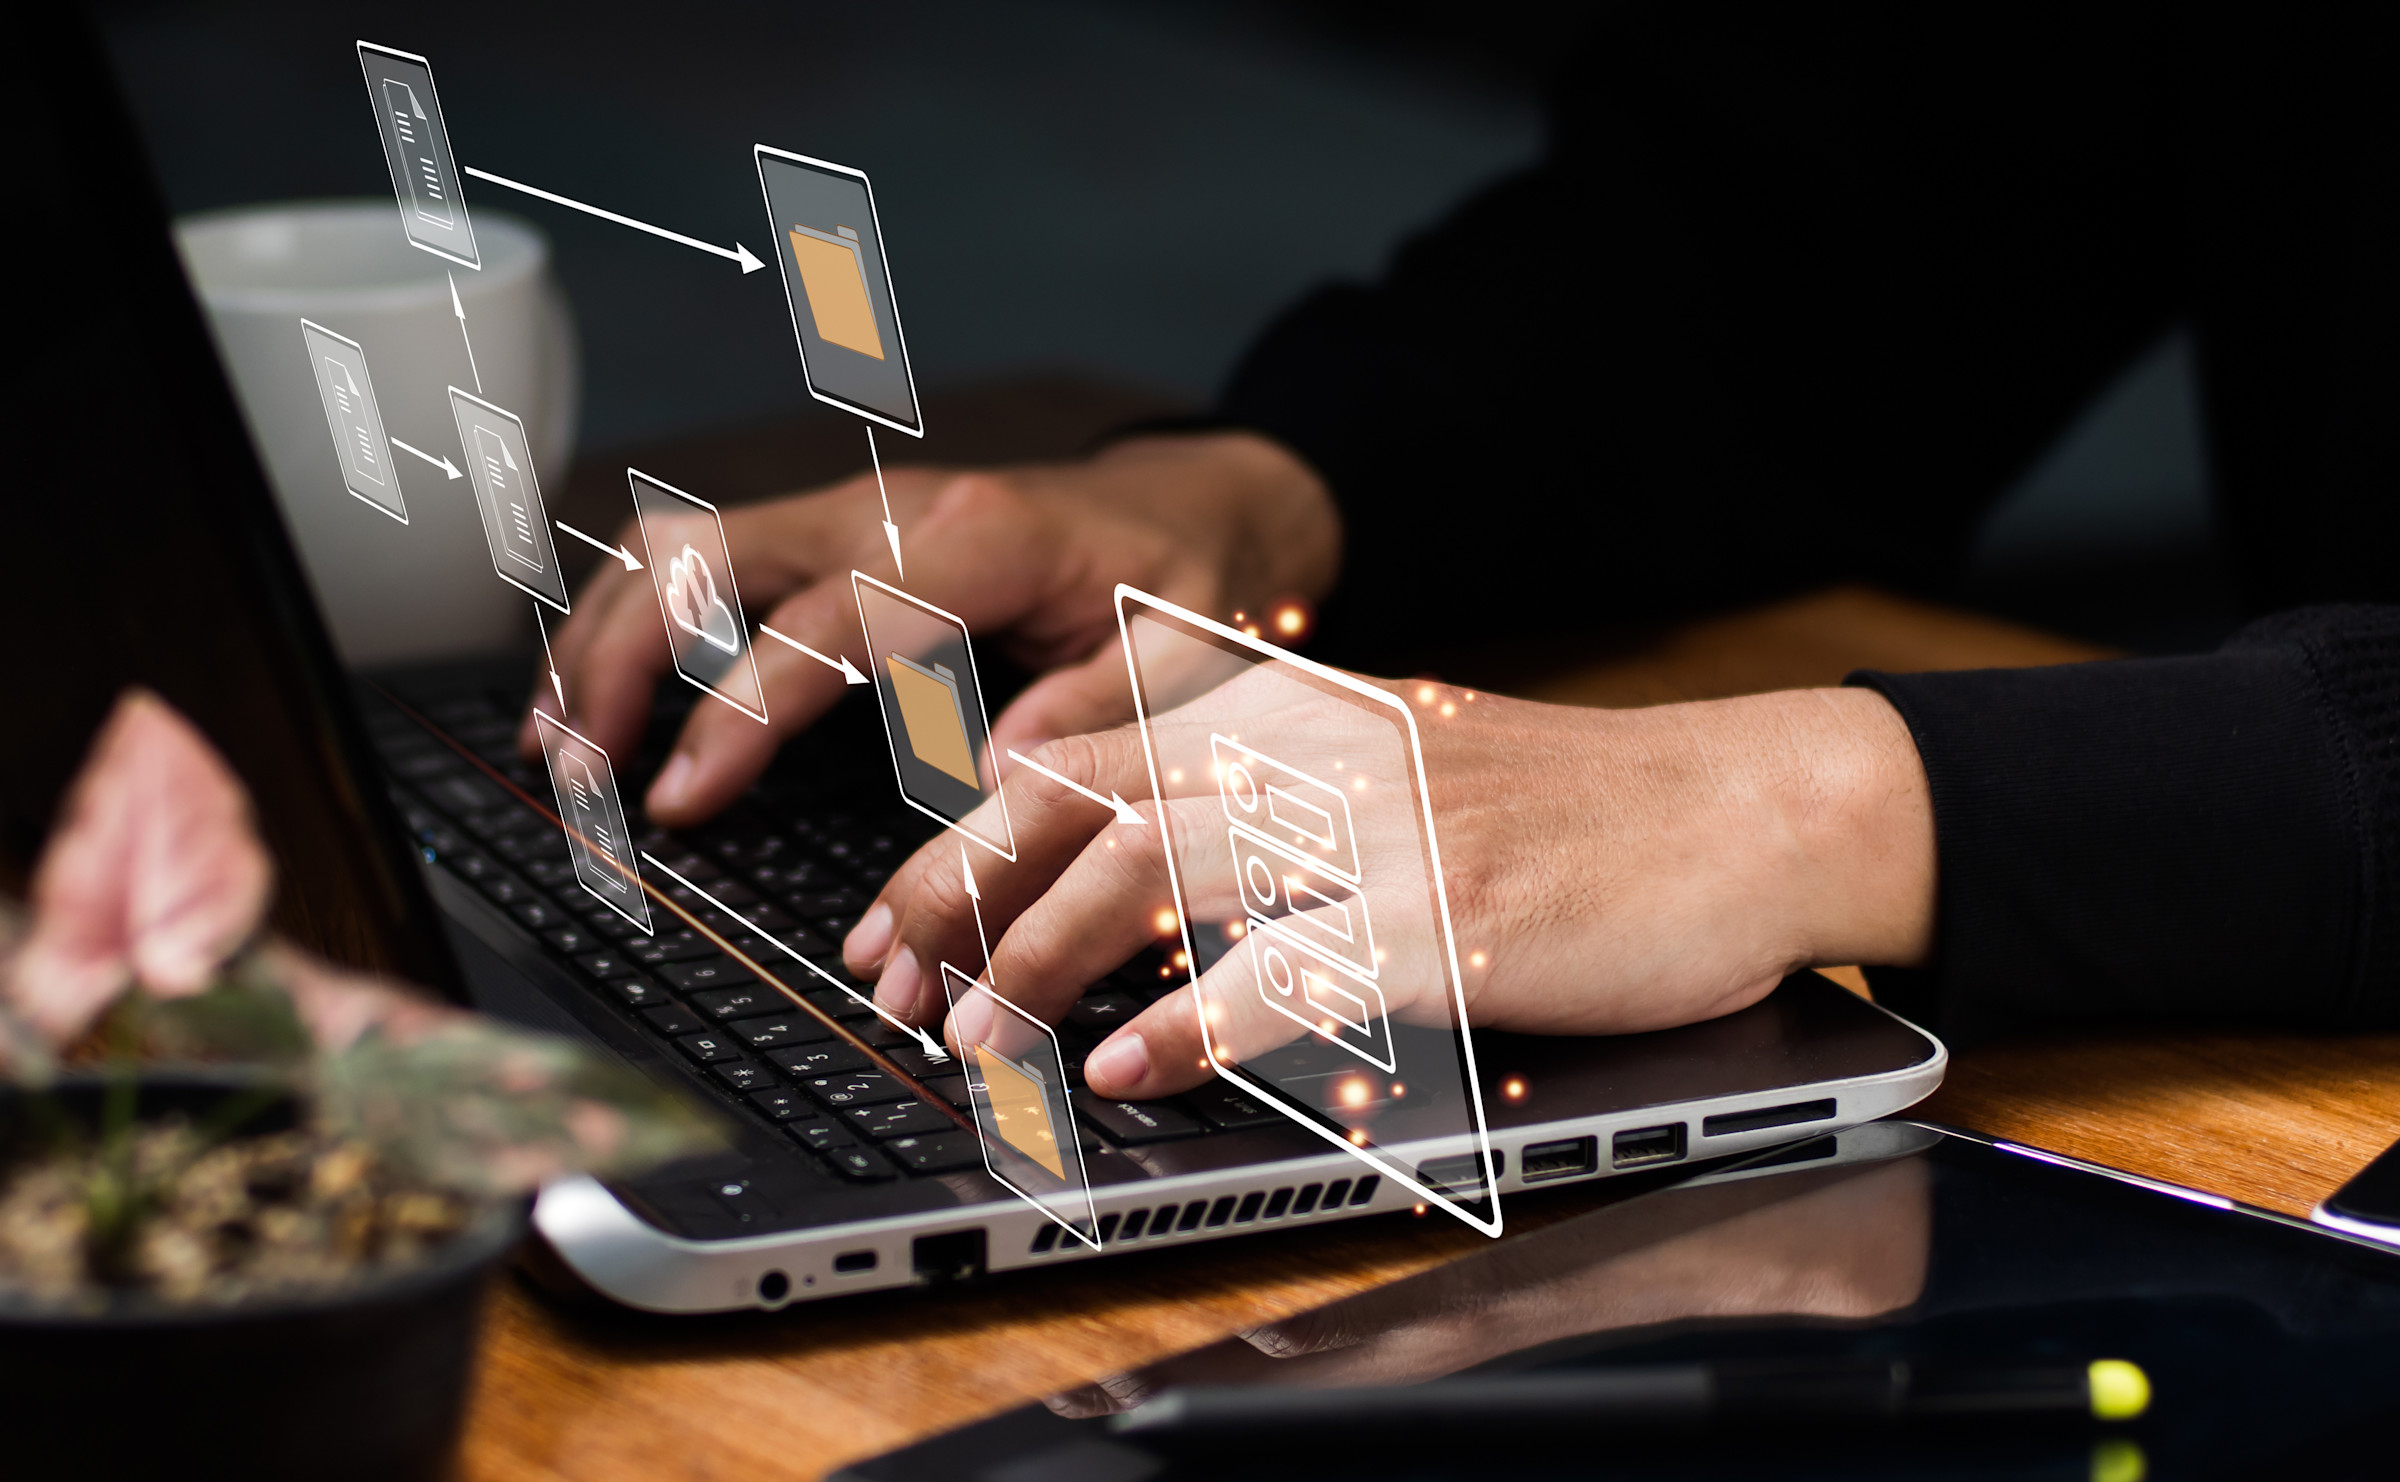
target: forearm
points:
(2204, 837)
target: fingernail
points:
(674, 782)
(898, 987)
(1121, 1062)
(868, 940)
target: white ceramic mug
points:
(392, 593)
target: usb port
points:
(1644, 1146)
(1542, 1161)
(1460, 1177)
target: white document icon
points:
(594, 819)
(414, 131)
(509, 498)
(349, 398)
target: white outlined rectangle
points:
(710, 641)
(1029, 1142)
(509, 497)
(1170, 617)
(914, 643)
(339, 366)
(593, 814)
(820, 373)
(416, 149)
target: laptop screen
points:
(147, 546)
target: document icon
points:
(836, 284)
(358, 439)
(509, 497)
(416, 146)
(1020, 1112)
(933, 717)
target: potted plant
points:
(248, 1201)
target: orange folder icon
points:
(835, 282)
(934, 716)
(1019, 1113)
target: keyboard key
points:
(951, 1088)
(679, 945)
(637, 991)
(526, 850)
(708, 1049)
(552, 874)
(808, 1061)
(607, 965)
(839, 1004)
(1102, 1012)
(734, 1003)
(572, 940)
(821, 1136)
(899, 1119)
(729, 892)
(1133, 1123)
(1225, 1107)
(862, 1164)
(945, 1153)
(914, 1059)
(673, 1019)
(774, 1031)
(826, 905)
(537, 913)
(742, 1075)
(505, 889)
(469, 866)
(712, 972)
(782, 1104)
(858, 1088)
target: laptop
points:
(413, 839)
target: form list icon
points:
(340, 367)
(416, 146)
(594, 818)
(510, 498)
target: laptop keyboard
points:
(798, 873)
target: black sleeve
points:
(1788, 299)
(2198, 838)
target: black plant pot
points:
(367, 1383)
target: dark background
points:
(1103, 200)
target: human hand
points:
(1028, 557)
(1607, 871)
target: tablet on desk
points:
(1890, 1248)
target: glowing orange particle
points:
(1476, 959)
(1291, 619)
(1514, 1088)
(1448, 708)
(1424, 694)
(1354, 1092)
(1164, 921)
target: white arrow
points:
(1124, 810)
(617, 551)
(557, 684)
(444, 464)
(975, 897)
(931, 1046)
(850, 674)
(460, 311)
(891, 532)
(737, 253)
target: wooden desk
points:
(2276, 1120)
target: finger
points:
(981, 549)
(1091, 696)
(722, 748)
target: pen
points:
(1665, 1396)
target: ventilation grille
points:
(1166, 1221)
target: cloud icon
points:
(693, 603)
